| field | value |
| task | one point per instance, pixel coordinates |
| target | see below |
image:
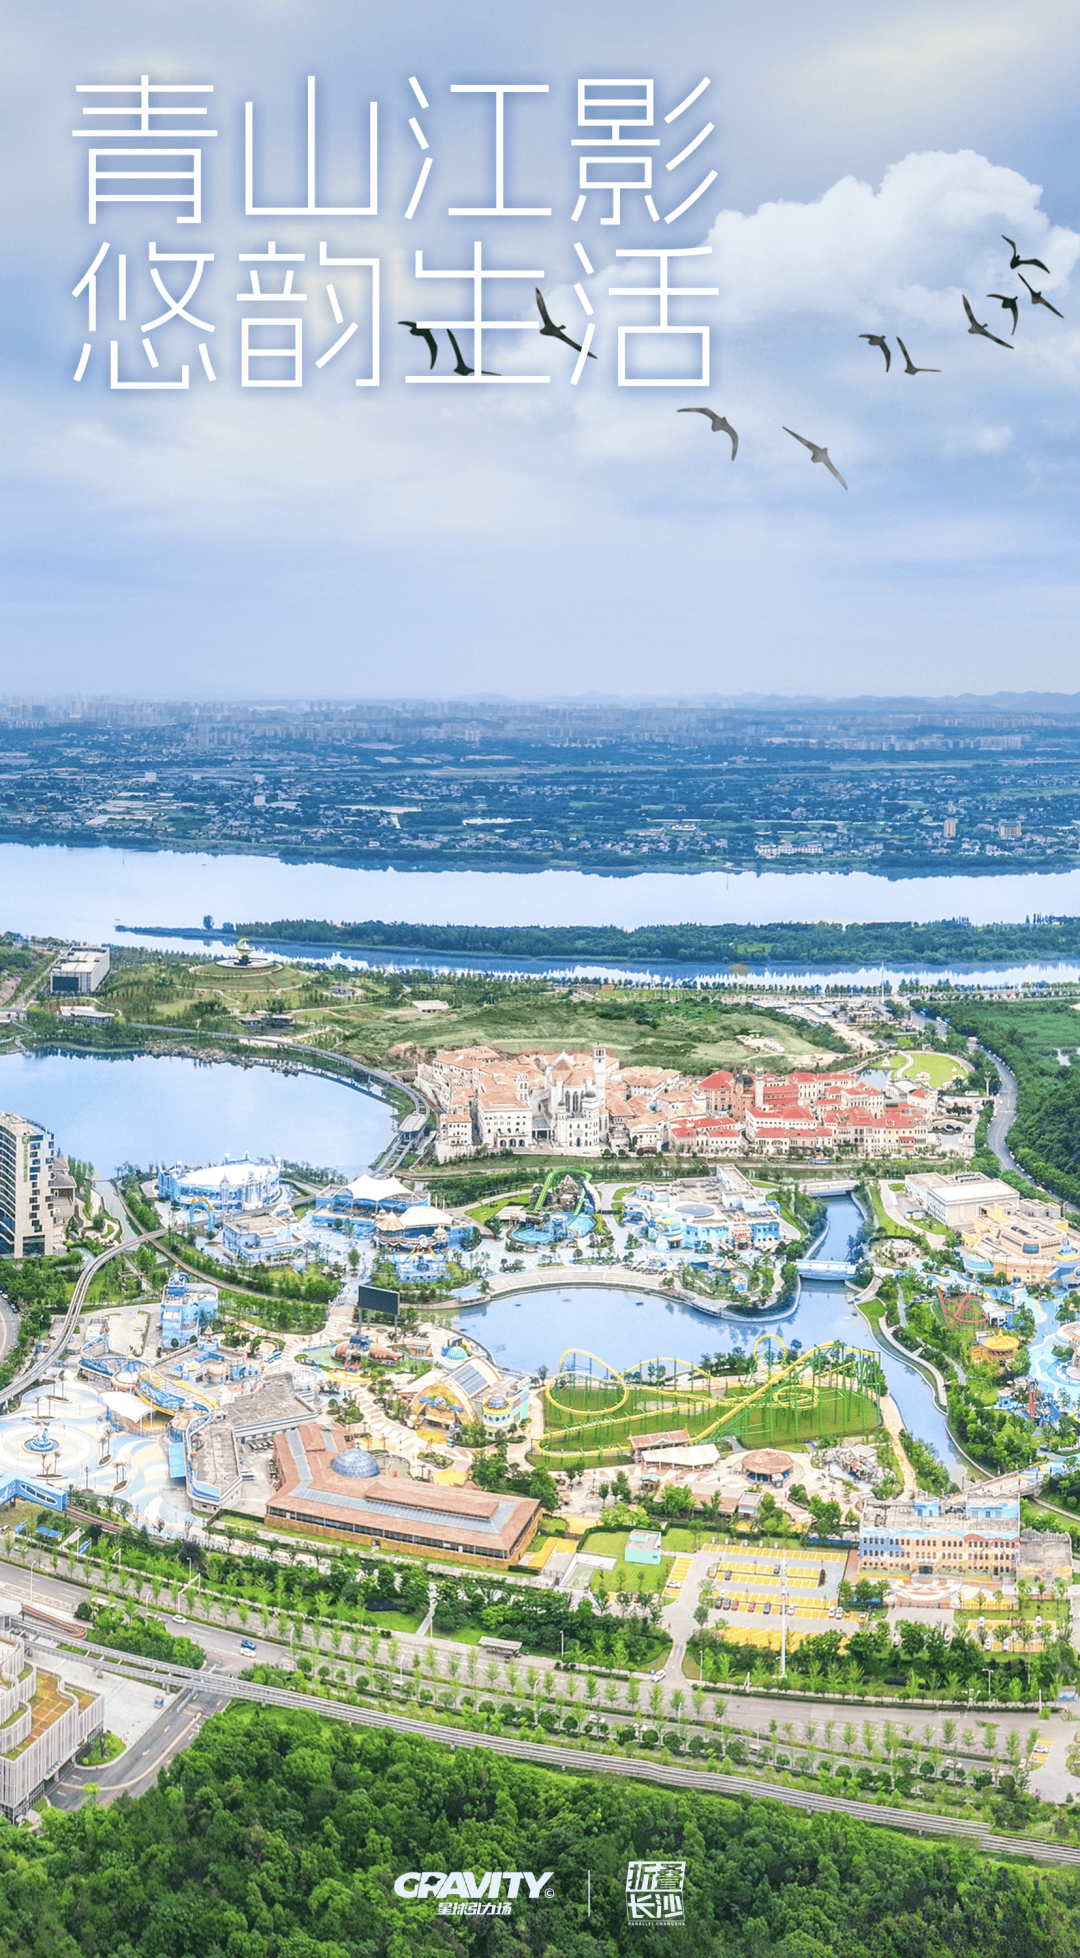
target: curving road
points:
(134, 1770)
(1004, 1116)
(31, 1374)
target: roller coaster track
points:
(789, 1376)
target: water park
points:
(562, 1207)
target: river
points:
(83, 894)
(622, 1326)
(164, 1109)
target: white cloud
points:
(932, 229)
(991, 441)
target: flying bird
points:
(817, 454)
(910, 367)
(461, 367)
(423, 333)
(549, 329)
(1016, 260)
(1010, 305)
(879, 340)
(1038, 300)
(984, 330)
(718, 423)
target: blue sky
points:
(548, 539)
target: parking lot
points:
(750, 1583)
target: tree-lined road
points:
(212, 1689)
(1003, 1117)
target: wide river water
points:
(147, 1109)
(622, 1326)
(85, 893)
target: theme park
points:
(687, 1422)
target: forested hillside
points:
(277, 1835)
(1038, 1039)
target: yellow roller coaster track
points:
(786, 1381)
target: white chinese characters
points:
(654, 1892)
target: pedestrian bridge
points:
(824, 1268)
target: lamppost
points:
(783, 1617)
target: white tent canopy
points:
(377, 1189)
(701, 1454)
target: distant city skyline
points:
(62, 704)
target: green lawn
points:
(907, 1065)
(482, 1213)
(636, 1578)
(625, 1577)
(604, 1543)
(684, 1542)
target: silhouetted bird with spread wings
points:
(1008, 305)
(910, 367)
(1016, 261)
(1038, 300)
(423, 333)
(817, 454)
(983, 330)
(879, 340)
(718, 423)
(460, 367)
(550, 331)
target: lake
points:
(163, 1109)
(84, 894)
(622, 1326)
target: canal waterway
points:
(622, 1326)
(85, 893)
(147, 1109)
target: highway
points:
(220, 1645)
(201, 1693)
(746, 1711)
(212, 1689)
(204, 1692)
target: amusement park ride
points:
(590, 1408)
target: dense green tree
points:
(277, 1835)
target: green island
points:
(948, 942)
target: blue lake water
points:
(85, 893)
(623, 1326)
(148, 1109)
